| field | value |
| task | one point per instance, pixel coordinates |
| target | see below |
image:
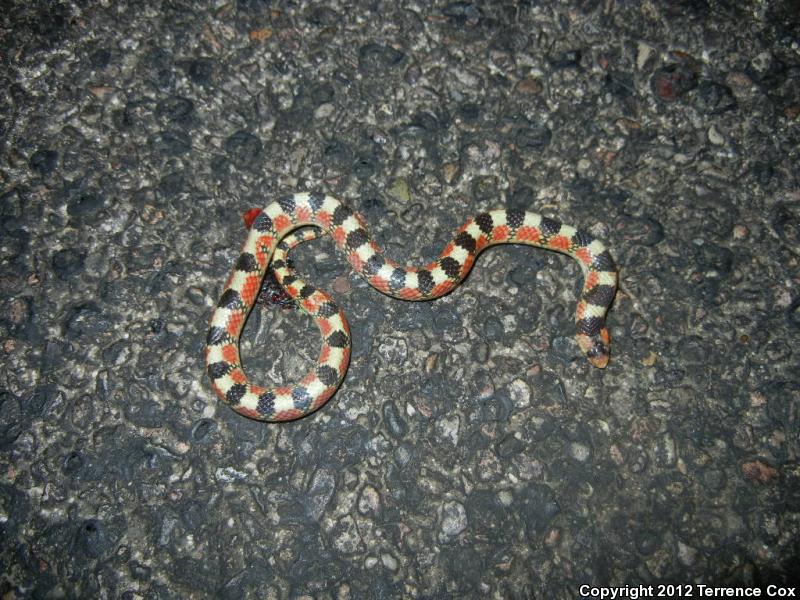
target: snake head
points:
(595, 347)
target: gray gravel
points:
(471, 451)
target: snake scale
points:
(272, 234)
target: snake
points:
(296, 218)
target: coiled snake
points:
(272, 235)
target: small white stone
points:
(324, 111)
(714, 136)
(389, 561)
(454, 520)
(448, 428)
(643, 54)
(520, 393)
(580, 452)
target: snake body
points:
(272, 234)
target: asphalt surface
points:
(471, 452)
